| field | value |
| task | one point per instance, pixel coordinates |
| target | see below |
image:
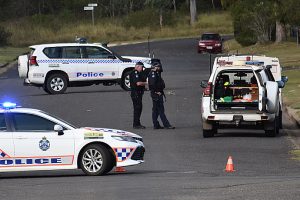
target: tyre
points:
(275, 129)
(45, 89)
(280, 119)
(125, 84)
(95, 160)
(209, 133)
(56, 84)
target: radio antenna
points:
(149, 52)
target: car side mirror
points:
(204, 83)
(284, 79)
(281, 84)
(112, 57)
(59, 129)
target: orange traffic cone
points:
(229, 166)
(120, 169)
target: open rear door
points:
(272, 95)
(23, 66)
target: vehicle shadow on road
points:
(245, 133)
(75, 92)
(74, 173)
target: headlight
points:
(218, 44)
(201, 44)
(124, 138)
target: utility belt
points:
(137, 93)
(155, 95)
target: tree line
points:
(254, 21)
(263, 21)
(106, 8)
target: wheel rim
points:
(127, 81)
(92, 160)
(57, 84)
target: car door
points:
(73, 63)
(102, 64)
(37, 144)
(6, 144)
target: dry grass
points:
(25, 33)
(287, 52)
(295, 154)
(8, 54)
(291, 91)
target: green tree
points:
(160, 6)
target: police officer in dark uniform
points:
(157, 86)
(137, 84)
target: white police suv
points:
(243, 92)
(58, 66)
(31, 140)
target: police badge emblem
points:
(44, 144)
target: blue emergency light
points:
(258, 63)
(8, 105)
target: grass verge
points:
(295, 154)
(291, 91)
(9, 54)
(25, 33)
(287, 52)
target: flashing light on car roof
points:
(8, 105)
(258, 63)
(224, 62)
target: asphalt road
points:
(180, 163)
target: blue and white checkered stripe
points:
(2, 154)
(122, 153)
(79, 61)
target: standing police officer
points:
(157, 86)
(137, 85)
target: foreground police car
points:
(31, 140)
(58, 66)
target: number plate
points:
(209, 47)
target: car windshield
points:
(210, 37)
(59, 119)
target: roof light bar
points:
(8, 105)
(258, 63)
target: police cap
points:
(156, 64)
(140, 64)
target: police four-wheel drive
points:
(242, 92)
(34, 140)
(58, 66)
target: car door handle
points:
(91, 62)
(21, 137)
(65, 63)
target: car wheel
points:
(126, 81)
(210, 132)
(95, 160)
(46, 90)
(280, 119)
(56, 84)
(275, 129)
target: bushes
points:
(4, 36)
(148, 18)
(243, 35)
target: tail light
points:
(32, 60)
(207, 90)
